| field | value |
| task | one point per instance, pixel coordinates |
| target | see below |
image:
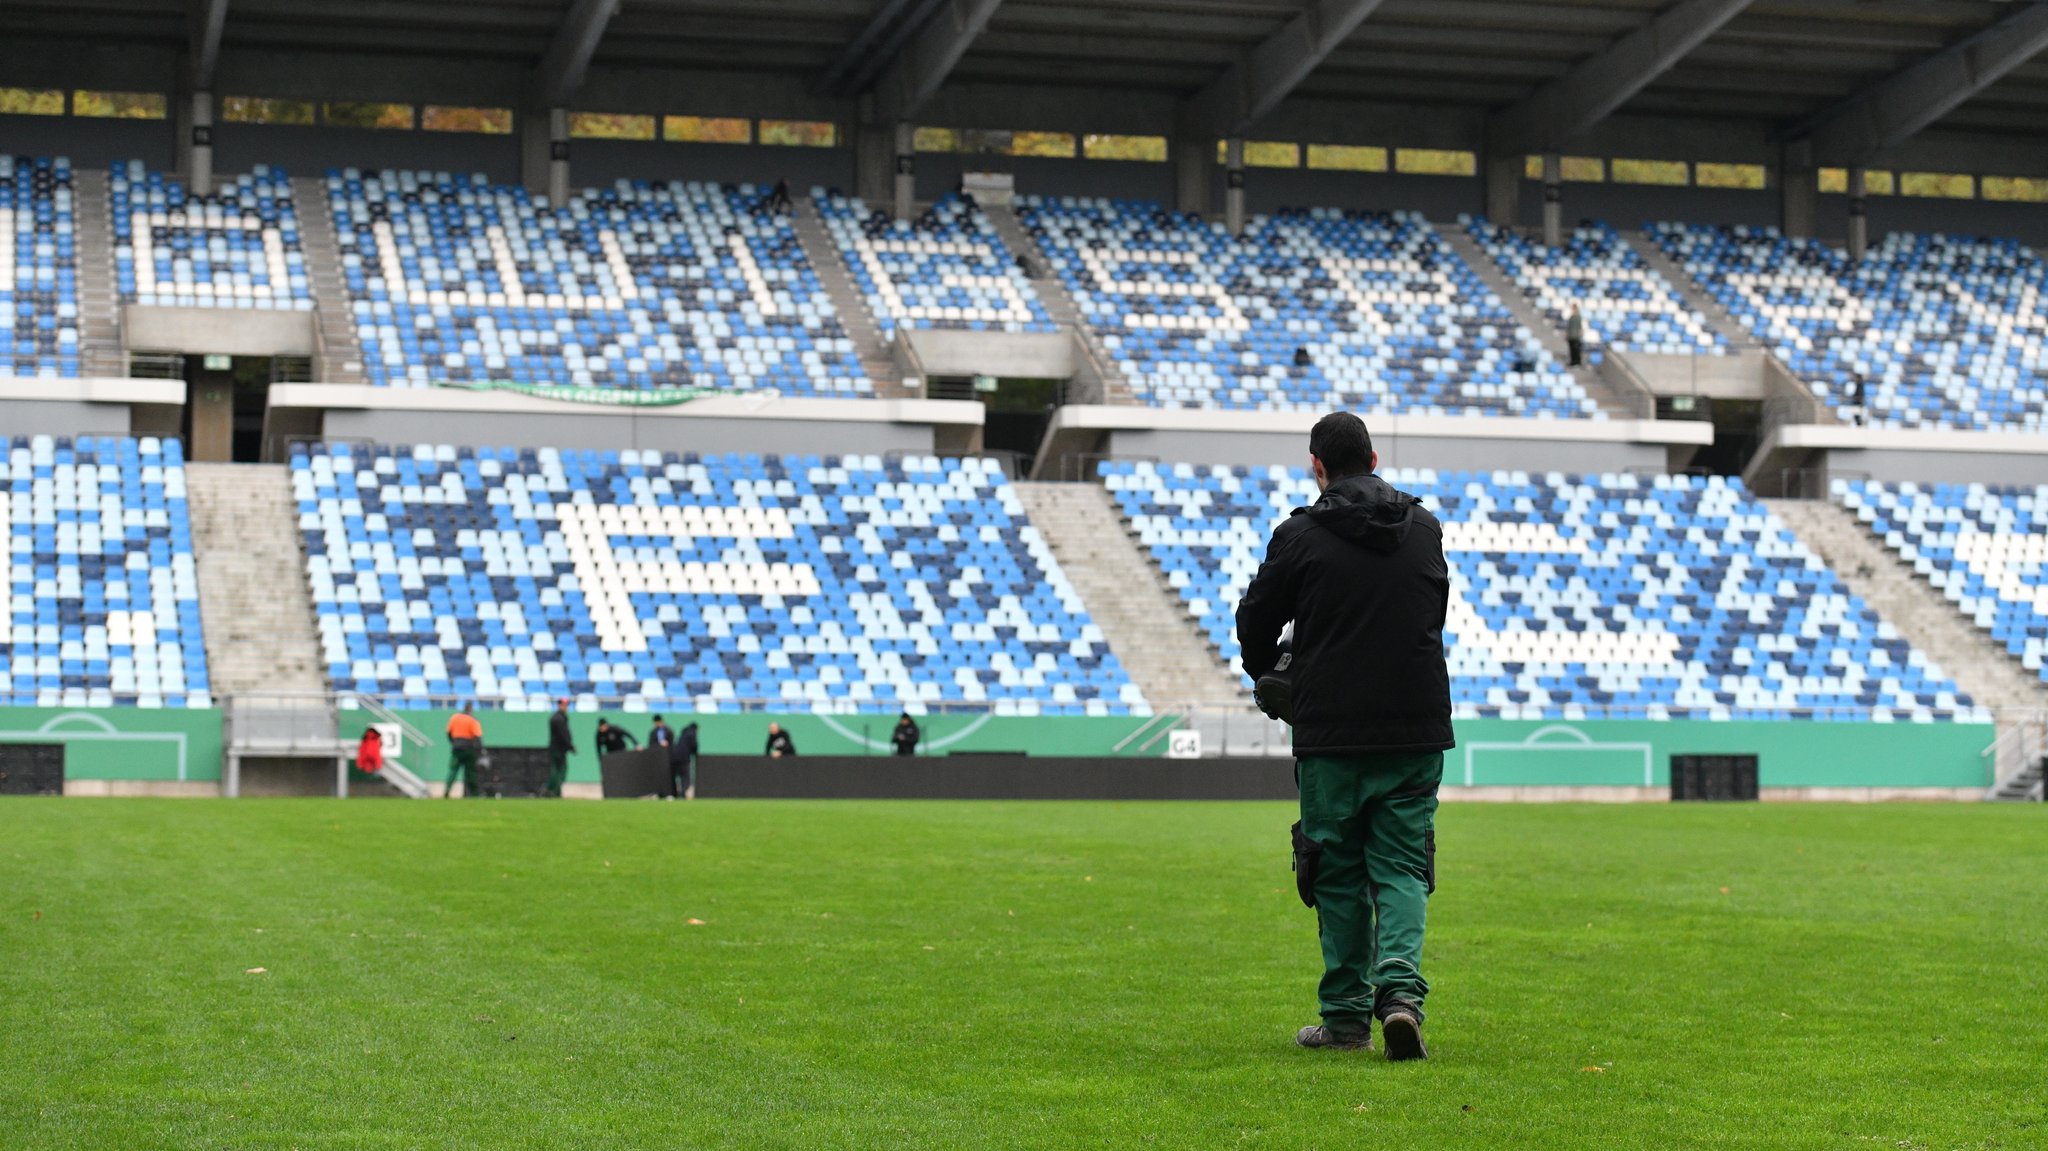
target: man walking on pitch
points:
(560, 744)
(682, 763)
(465, 744)
(1361, 574)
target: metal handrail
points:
(1168, 715)
(2026, 741)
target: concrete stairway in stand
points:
(341, 353)
(100, 350)
(1978, 664)
(1058, 303)
(1529, 316)
(876, 358)
(1689, 290)
(1126, 596)
(253, 596)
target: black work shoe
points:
(1401, 1028)
(1320, 1035)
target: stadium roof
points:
(1857, 76)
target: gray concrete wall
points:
(1007, 355)
(938, 174)
(1439, 198)
(1630, 206)
(1891, 466)
(312, 151)
(620, 430)
(1261, 449)
(63, 418)
(598, 162)
(226, 331)
(89, 143)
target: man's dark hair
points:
(1342, 443)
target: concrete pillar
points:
(1798, 191)
(1859, 222)
(1503, 175)
(1193, 159)
(1233, 186)
(197, 162)
(874, 162)
(1553, 200)
(903, 191)
(544, 153)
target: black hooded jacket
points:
(1362, 575)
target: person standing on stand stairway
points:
(560, 744)
(1575, 336)
(465, 744)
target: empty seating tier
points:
(1945, 332)
(1581, 596)
(454, 279)
(1308, 311)
(827, 584)
(96, 561)
(1984, 547)
(38, 267)
(237, 248)
(946, 269)
(1625, 303)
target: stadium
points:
(816, 363)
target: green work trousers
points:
(1375, 818)
(462, 764)
(558, 771)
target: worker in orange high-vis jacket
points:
(465, 745)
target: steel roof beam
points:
(1603, 82)
(1893, 110)
(561, 71)
(924, 63)
(209, 18)
(1235, 100)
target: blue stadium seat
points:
(1985, 547)
(827, 584)
(237, 248)
(1580, 596)
(457, 280)
(96, 559)
(1388, 318)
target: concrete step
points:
(341, 359)
(1127, 598)
(102, 351)
(254, 600)
(1689, 290)
(1926, 618)
(847, 300)
(1059, 303)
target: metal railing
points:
(2020, 747)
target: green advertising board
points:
(813, 735)
(185, 744)
(1637, 753)
(123, 742)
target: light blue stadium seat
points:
(102, 589)
(1985, 547)
(641, 286)
(236, 248)
(1385, 314)
(1580, 596)
(645, 579)
(1945, 332)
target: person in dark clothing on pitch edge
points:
(1361, 574)
(682, 764)
(560, 744)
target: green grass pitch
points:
(728, 974)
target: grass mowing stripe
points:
(883, 974)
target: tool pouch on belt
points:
(1429, 859)
(1308, 855)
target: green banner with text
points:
(599, 397)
